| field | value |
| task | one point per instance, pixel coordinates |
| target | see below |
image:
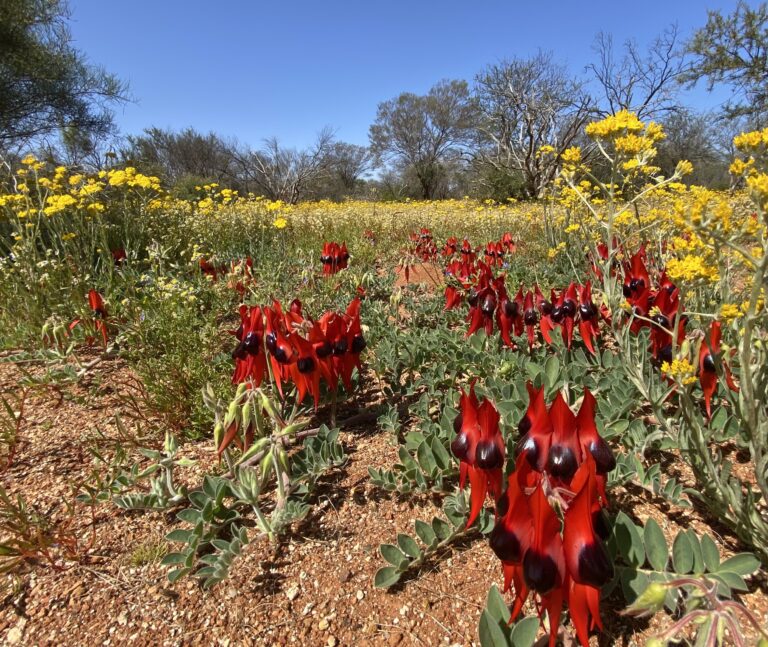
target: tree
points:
(646, 84)
(525, 104)
(733, 49)
(45, 84)
(697, 138)
(349, 162)
(286, 174)
(183, 154)
(425, 132)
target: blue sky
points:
(253, 69)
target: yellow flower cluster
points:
(729, 312)
(754, 141)
(692, 268)
(130, 177)
(622, 123)
(680, 370)
(757, 185)
(57, 203)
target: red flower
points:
(544, 562)
(494, 254)
(530, 318)
(513, 532)
(590, 440)
(707, 367)
(119, 256)
(96, 301)
(425, 246)
(507, 243)
(564, 313)
(509, 317)
(586, 559)
(209, 269)
(545, 309)
(667, 302)
(467, 253)
(334, 257)
(479, 446)
(250, 358)
(241, 275)
(452, 297)
(451, 245)
(561, 459)
(535, 430)
(592, 444)
(483, 301)
(281, 352)
(305, 371)
(636, 277)
(564, 451)
(588, 317)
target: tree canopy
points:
(46, 85)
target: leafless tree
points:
(423, 132)
(186, 153)
(646, 83)
(281, 173)
(525, 104)
(702, 140)
(349, 163)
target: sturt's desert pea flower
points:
(710, 349)
(334, 257)
(98, 320)
(479, 446)
(549, 519)
(249, 354)
(299, 350)
(588, 317)
(587, 563)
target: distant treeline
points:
(497, 136)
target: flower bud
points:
(649, 601)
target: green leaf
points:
(190, 515)
(710, 554)
(741, 564)
(386, 577)
(442, 457)
(441, 528)
(490, 632)
(408, 546)
(524, 632)
(425, 533)
(698, 558)
(682, 554)
(393, 555)
(633, 583)
(180, 535)
(173, 558)
(655, 545)
(552, 371)
(177, 574)
(628, 540)
(731, 580)
(426, 459)
(496, 606)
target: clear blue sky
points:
(254, 69)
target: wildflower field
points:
(230, 420)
